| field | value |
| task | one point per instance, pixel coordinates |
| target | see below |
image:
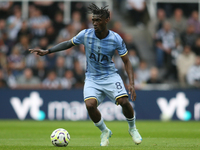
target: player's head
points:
(100, 17)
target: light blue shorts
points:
(112, 87)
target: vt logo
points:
(31, 104)
(178, 104)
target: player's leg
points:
(129, 114)
(92, 97)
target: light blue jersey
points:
(99, 52)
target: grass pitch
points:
(34, 135)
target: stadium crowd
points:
(176, 43)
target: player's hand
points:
(131, 91)
(39, 51)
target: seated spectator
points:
(117, 27)
(3, 83)
(2, 27)
(142, 72)
(60, 66)
(50, 60)
(154, 76)
(156, 23)
(11, 79)
(193, 74)
(25, 31)
(189, 36)
(137, 9)
(32, 59)
(14, 23)
(80, 56)
(171, 70)
(58, 21)
(134, 59)
(5, 7)
(184, 62)
(66, 33)
(165, 41)
(68, 81)
(51, 81)
(3, 59)
(27, 80)
(79, 74)
(16, 62)
(178, 21)
(38, 22)
(196, 47)
(51, 34)
(130, 44)
(76, 21)
(194, 20)
(40, 70)
(23, 45)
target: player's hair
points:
(103, 11)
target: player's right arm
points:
(78, 39)
(59, 47)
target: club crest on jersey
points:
(99, 57)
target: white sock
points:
(131, 122)
(101, 125)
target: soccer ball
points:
(60, 137)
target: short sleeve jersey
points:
(99, 52)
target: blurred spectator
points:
(196, 47)
(32, 59)
(134, 59)
(80, 7)
(80, 56)
(11, 79)
(25, 31)
(27, 80)
(76, 21)
(38, 22)
(3, 60)
(66, 34)
(50, 60)
(154, 76)
(23, 45)
(68, 81)
(189, 36)
(3, 83)
(136, 10)
(5, 7)
(165, 41)
(51, 81)
(51, 34)
(117, 27)
(2, 27)
(79, 75)
(142, 72)
(171, 70)
(194, 20)
(60, 66)
(184, 62)
(157, 23)
(178, 21)
(3, 48)
(130, 44)
(14, 23)
(193, 74)
(6, 44)
(40, 70)
(16, 62)
(58, 21)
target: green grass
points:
(34, 135)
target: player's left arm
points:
(129, 70)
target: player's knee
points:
(91, 104)
(123, 101)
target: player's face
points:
(99, 23)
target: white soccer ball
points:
(60, 137)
